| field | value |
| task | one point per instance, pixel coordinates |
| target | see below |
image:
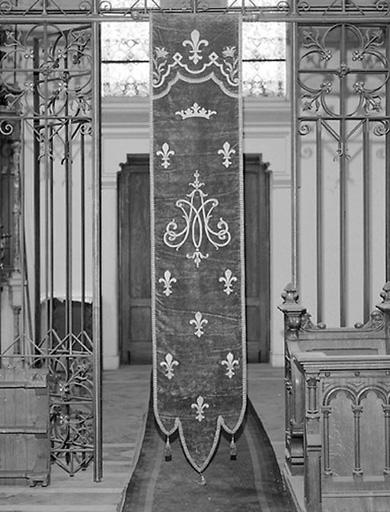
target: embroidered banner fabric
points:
(199, 361)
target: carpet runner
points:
(198, 311)
(251, 483)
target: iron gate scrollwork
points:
(46, 183)
(342, 110)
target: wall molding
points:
(123, 112)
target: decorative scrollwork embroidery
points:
(199, 406)
(230, 364)
(198, 323)
(160, 56)
(197, 214)
(166, 67)
(231, 62)
(228, 279)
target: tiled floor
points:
(125, 402)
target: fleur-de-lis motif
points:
(197, 213)
(230, 364)
(165, 152)
(169, 365)
(167, 281)
(227, 151)
(228, 279)
(200, 405)
(195, 43)
(198, 322)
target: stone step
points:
(11, 491)
(58, 507)
(89, 499)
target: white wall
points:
(125, 129)
(267, 131)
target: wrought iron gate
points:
(342, 115)
(50, 172)
(50, 193)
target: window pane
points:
(125, 41)
(264, 41)
(264, 79)
(125, 79)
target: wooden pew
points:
(338, 409)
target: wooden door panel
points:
(134, 259)
(257, 257)
(139, 233)
(251, 194)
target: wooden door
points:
(134, 259)
(257, 257)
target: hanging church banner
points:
(198, 311)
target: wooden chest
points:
(24, 426)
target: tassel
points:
(168, 452)
(202, 480)
(233, 449)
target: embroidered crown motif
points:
(195, 111)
